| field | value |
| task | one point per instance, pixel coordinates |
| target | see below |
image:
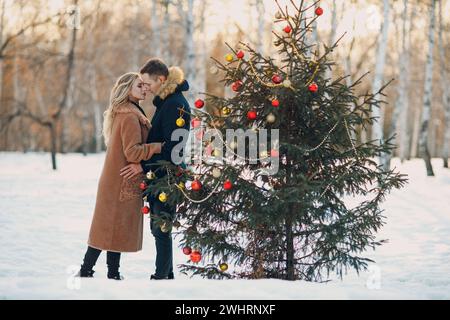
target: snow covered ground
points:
(45, 218)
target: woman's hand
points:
(131, 170)
(156, 147)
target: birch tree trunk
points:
(93, 53)
(445, 91)
(2, 24)
(203, 54)
(67, 100)
(401, 105)
(426, 112)
(166, 34)
(190, 50)
(377, 129)
(404, 131)
(328, 72)
(259, 4)
(155, 45)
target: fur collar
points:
(128, 107)
(175, 78)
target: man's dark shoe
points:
(171, 276)
(155, 277)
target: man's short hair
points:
(155, 67)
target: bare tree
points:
(156, 43)
(377, 129)
(260, 9)
(426, 111)
(445, 90)
(401, 106)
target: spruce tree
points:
(238, 217)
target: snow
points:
(45, 218)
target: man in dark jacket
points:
(168, 85)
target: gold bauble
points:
(229, 57)
(226, 111)
(233, 145)
(162, 197)
(181, 185)
(270, 118)
(287, 83)
(180, 122)
(263, 154)
(223, 267)
(278, 15)
(216, 153)
(150, 175)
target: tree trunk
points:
(97, 116)
(377, 129)
(190, 49)
(426, 112)
(202, 56)
(155, 45)
(67, 100)
(165, 32)
(2, 22)
(260, 9)
(445, 91)
(84, 128)
(401, 106)
(331, 39)
(290, 251)
(405, 146)
(52, 130)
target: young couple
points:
(134, 146)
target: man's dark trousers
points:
(163, 240)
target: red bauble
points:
(240, 55)
(196, 123)
(196, 185)
(143, 186)
(277, 79)
(187, 250)
(227, 185)
(196, 256)
(145, 210)
(199, 135)
(274, 153)
(313, 87)
(287, 29)
(180, 172)
(275, 103)
(319, 11)
(236, 86)
(251, 115)
(199, 104)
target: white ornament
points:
(216, 173)
(270, 118)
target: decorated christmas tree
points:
(263, 195)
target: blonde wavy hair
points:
(119, 95)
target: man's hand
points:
(131, 170)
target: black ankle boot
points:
(155, 277)
(115, 276)
(86, 273)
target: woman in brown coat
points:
(117, 221)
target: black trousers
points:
(163, 240)
(91, 257)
